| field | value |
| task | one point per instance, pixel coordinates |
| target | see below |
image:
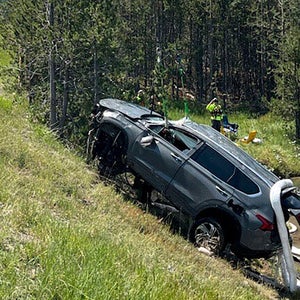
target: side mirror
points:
(147, 140)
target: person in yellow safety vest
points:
(216, 113)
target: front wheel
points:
(112, 153)
(209, 234)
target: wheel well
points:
(113, 135)
(230, 225)
(110, 149)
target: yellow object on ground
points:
(248, 139)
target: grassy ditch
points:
(64, 235)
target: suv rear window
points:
(219, 166)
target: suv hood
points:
(131, 110)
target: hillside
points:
(65, 235)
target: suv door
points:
(199, 182)
(156, 160)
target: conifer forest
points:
(68, 54)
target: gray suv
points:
(219, 192)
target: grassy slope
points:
(66, 236)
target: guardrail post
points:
(287, 264)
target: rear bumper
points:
(257, 244)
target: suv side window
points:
(218, 165)
(180, 139)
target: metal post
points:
(287, 266)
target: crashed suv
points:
(220, 192)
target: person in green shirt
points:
(216, 113)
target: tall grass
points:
(65, 235)
(6, 69)
(278, 150)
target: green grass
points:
(65, 235)
(4, 58)
(279, 150)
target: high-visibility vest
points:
(215, 111)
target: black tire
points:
(209, 234)
(112, 157)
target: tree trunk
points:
(65, 103)
(53, 112)
(96, 72)
(298, 124)
(211, 91)
(297, 101)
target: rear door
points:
(199, 183)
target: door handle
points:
(221, 191)
(177, 158)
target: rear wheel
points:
(209, 234)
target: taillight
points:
(266, 224)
